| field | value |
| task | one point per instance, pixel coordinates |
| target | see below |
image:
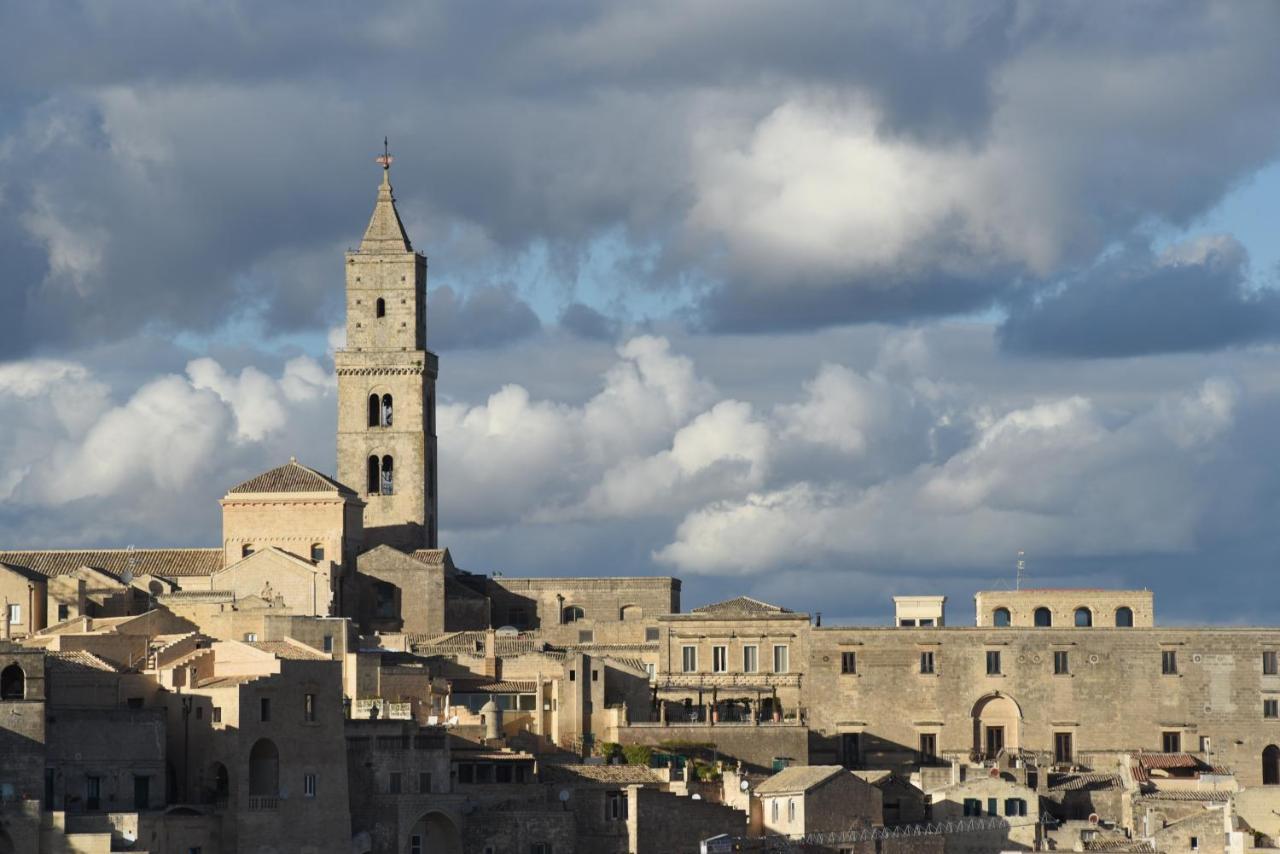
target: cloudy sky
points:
(819, 305)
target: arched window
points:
(631, 613)
(573, 613)
(1043, 617)
(13, 683)
(1124, 617)
(246, 550)
(264, 769)
(1271, 765)
(388, 476)
(381, 307)
(386, 410)
(1084, 618)
(220, 783)
(317, 551)
(1000, 617)
(373, 410)
(373, 476)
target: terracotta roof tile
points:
(614, 774)
(166, 563)
(293, 476)
(290, 650)
(798, 778)
(1086, 782)
(741, 605)
(77, 661)
(1206, 795)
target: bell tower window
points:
(374, 410)
(373, 476)
(388, 476)
(380, 307)
(386, 410)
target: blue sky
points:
(818, 307)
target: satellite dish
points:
(696, 797)
(565, 795)
(126, 577)
(994, 772)
(744, 785)
(1093, 818)
(507, 631)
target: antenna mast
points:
(1021, 569)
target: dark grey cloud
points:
(585, 322)
(487, 316)
(1193, 298)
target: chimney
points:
(491, 653)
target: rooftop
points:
(293, 476)
(798, 778)
(172, 563)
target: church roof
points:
(741, 605)
(293, 476)
(385, 232)
(166, 563)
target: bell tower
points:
(387, 383)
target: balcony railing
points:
(262, 802)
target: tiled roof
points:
(468, 642)
(77, 660)
(434, 557)
(293, 476)
(615, 774)
(798, 778)
(1121, 844)
(169, 563)
(1167, 760)
(471, 685)
(741, 605)
(1086, 782)
(1206, 795)
(290, 649)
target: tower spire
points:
(385, 232)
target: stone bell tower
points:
(387, 383)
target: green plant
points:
(608, 749)
(638, 754)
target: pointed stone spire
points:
(385, 232)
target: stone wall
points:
(754, 746)
(1114, 697)
(603, 600)
(1062, 605)
(662, 823)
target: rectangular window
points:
(1169, 662)
(309, 707)
(250, 637)
(993, 662)
(927, 622)
(540, 848)
(781, 659)
(141, 792)
(573, 675)
(719, 659)
(64, 613)
(774, 810)
(415, 844)
(1062, 748)
(265, 709)
(907, 623)
(15, 614)
(1271, 708)
(750, 659)
(928, 748)
(1195, 843)
(791, 809)
(1061, 663)
(615, 806)
(92, 792)
(586, 636)
(848, 662)
(308, 785)
(328, 643)
(217, 714)
(972, 807)
(1269, 663)
(926, 662)
(652, 670)
(424, 782)
(992, 804)
(393, 783)
(1171, 742)
(689, 659)
(650, 635)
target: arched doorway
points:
(264, 769)
(434, 833)
(219, 784)
(997, 724)
(13, 683)
(1271, 765)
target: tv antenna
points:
(1021, 569)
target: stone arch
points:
(1042, 617)
(1001, 617)
(1271, 765)
(574, 613)
(434, 833)
(219, 783)
(997, 724)
(1083, 617)
(13, 683)
(630, 613)
(1124, 617)
(264, 769)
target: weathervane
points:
(386, 157)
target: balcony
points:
(259, 803)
